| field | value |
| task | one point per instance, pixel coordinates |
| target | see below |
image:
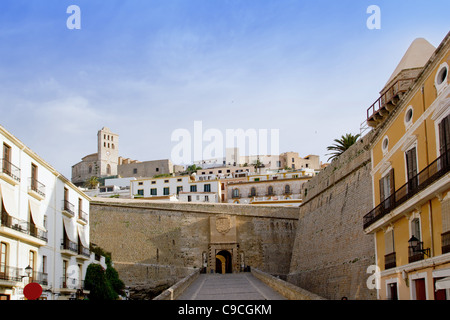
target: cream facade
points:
(44, 230)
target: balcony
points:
(38, 277)
(377, 112)
(69, 247)
(445, 237)
(83, 253)
(82, 217)
(71, 284)
(10, 275)
(419, 182)
(68, 209)
(36, 189)
(9, 172)
(24, 230)
(390, 261)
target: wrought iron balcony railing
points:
(71, 283)
(68, 207)
(83, 216)
(8, 273)
(23, 226)
(9, 169)
(445, 237)
(66, 244)
(390, 261)
(37, 186)
(419, 182)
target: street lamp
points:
(416, 245)
(28, 271)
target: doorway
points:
(224, 262)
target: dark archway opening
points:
(224, 262)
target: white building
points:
(178, 188)
(116, 187)
(44, 230)
(278, 188)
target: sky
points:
(147, 68)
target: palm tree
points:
(92, 182)
(341, 145)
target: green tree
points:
(341, 145)
(113, 277)
(98, 285)
(193, 168)
(92, 182)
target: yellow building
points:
(411, 180)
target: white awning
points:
(443, 284)
(82, 235)
(35, 210)
(70, 229)
(9, 201)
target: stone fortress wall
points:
(320, 247)
(331, 252)
(154, 244)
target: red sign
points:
(32, 291)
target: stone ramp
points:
(232, 286)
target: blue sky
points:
(147, 68)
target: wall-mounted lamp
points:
(417, 246)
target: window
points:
(32, 263)
(157, 169)
(292, 159)
(206, 198)
(207, 188)
(3, 257)
(108, 169)
(389, 251)
(408, 115)
(287, 189)
(189, 198)
(134, 170)
(153, 192)
(166, 191)
(441, 78)
(140, 183)
(179, 189)
(179, 180)
(444, 138)
(166, 181)
(415, 228)
(194, 188)
(6, 158)
(90, 169)
(153, 182)
(140, 192)
(253, 192)
(387, 187)
(235, 193)
(411, 169)
(385, 144)
(270, 191)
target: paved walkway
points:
(235, 286)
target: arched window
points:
(90, 169)
(108, 169)
(270, 191)
(112, 146)
(236, 193)
(287, 189)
